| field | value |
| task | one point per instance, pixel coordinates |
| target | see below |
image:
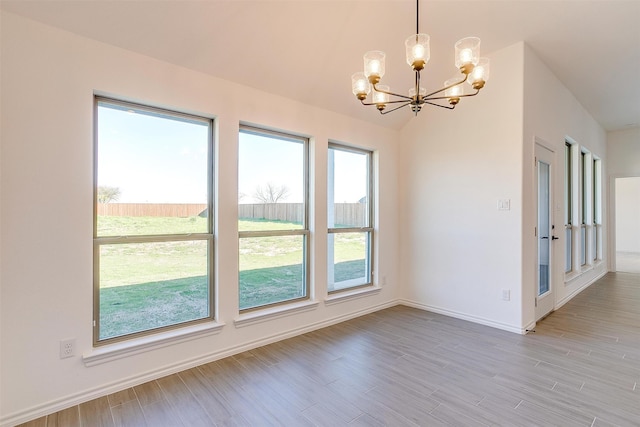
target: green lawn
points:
(150, 285)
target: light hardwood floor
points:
(406, 367)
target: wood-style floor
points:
(407, 367)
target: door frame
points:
(549, 298)
(611, 220)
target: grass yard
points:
(150, 285)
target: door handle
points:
(545, 237)
(555, 238)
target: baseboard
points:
(93, 393)
(464, 316)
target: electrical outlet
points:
(384, 281)
(67, 348)
(506, 294)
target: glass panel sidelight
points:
(544, 228)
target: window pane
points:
(583, 245)
(350, 266)
(152, 172)
(568, 249)
(271, 270)
(348, 189)
(271, 182)
(568, 188)
(584, 187)
(150, 285)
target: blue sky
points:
(155, 160)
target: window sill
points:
(349, 295)
(570, 277)
(258, 316)
(123, 349)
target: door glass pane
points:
(150, 285)
(271, 270)
(544, 228)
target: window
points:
(584, 166)
(153, 228)
(568, 207)
(597, 208)
(272, 218)
(350, 240)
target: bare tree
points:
(108, 194)
(270, 193)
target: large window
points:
(272, 218)
(153, 229)
(350, 240)
(583, 224)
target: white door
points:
(545, 232)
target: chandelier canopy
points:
(467, 59)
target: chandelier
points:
(467, 60)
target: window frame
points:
(568, 200)
(597, 208)
(304, 231)
(584, 190)
(100, 241)
(369, 229)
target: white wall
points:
(623, 152)
(48, 81)
(458, 251)
(552, 114)
(628, 214)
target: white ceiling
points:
(308, 49)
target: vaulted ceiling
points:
(307, 49)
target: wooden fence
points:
(151, 209)
(345, 213)
(291, 212)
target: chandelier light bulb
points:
(466, 56)
(381, 98)
(467, 53)
(480, 74)
(455, 92)
(374, 65)
(360, 85)
(417, 50)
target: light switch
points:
(504, 204)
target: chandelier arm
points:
(408, 98)
(388, 102)
(428, 96)
(397, 108)
(441, 106)
(458, 96)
